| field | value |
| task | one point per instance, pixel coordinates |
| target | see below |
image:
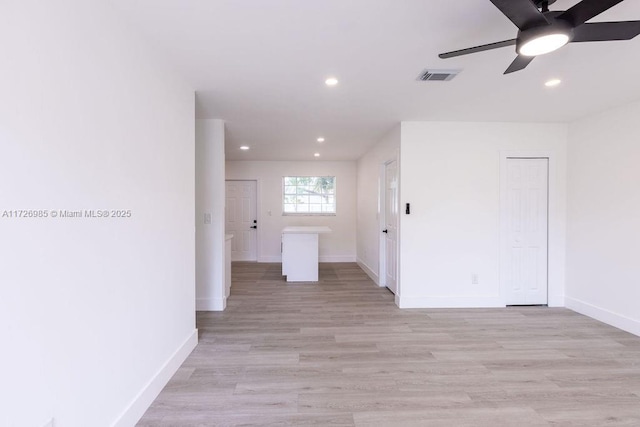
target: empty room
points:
(291, 212)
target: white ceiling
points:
(261, 66)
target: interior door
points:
(241, 219)
(391, 225)
(527, 231)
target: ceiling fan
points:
(542, 31)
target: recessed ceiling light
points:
(244, 147)
(553, 82)
(321, 139)
(316, 154)
(331, 81)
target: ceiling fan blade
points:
(519, 63)
(523, 13)
(587, 9)
(604, 31)
(475, 49)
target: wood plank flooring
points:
(340, 353)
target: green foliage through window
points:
(309, 194)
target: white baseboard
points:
(556, 301)
(609, 317)
(369, 271)
(270, 259)
(338, 258)
(211, 304)
(149, 392)
(449, 302)
(329, 258)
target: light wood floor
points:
(341, 353)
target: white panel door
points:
(391, 225)
(526, 235)
(241, 219)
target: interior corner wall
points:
(368, 206)
(603, 235)
(451, 176)
(337, 246)
(96, 312)
(210, 201)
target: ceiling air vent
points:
(437, 75)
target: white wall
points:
(368, 189)
(340, 245)
(210, 198)
(451, 176)
(94, 313)
(603, 236)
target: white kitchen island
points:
(300, 252)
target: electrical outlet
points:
(474, 279)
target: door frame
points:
(382, 199)
(258, 212)
(555, 226)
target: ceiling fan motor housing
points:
(555, 27)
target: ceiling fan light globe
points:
(543, 44)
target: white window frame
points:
(335, 196)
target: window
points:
(309, 195)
